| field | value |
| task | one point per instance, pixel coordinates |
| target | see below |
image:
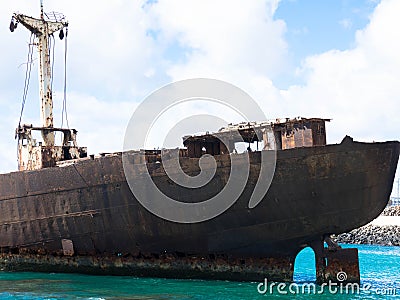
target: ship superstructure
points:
(32, 154)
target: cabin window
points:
(320, 130)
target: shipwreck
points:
(65, 211)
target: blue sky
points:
(334, 59)
(317, 26)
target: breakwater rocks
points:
(373, 234)
(391, 211)
(386, 235)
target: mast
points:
(46, 93)
(33, 155)
(43, 29)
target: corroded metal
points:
(68, 247)
(71, 213)
(285, 134)
(164, 265)
(342, 261)
(33, 155)
(334, 264)
(42, 29)
(89, 202)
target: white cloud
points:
(100, 124)
(302, 31)
(359, 88)
(346, 23)
(228, 40)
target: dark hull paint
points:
(315, 192)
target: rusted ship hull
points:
(316, 191)
(66, 212)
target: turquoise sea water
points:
(379, 266)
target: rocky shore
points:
(373, 234)
(391, 211)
